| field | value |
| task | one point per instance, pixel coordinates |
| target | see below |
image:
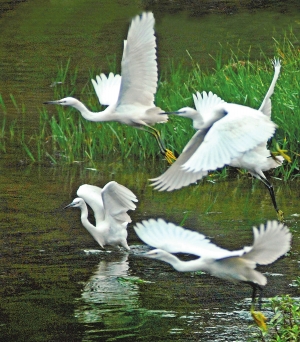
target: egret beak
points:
(52, 102)
(147, 254)
(176, 112)
(141, 254)
(69, 205)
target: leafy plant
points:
(284, 326)
(64, 136)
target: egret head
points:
(156, 254)
(67, 101)
(77, 203)
(186, 112)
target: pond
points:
(56, 283)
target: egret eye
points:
(228, 134)
(130, 90)
(110, 206)
(271, 241)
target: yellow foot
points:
(259, 319)
(282, 153)
(280, 215)
(169, 156)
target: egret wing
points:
(107, 88)
(240, 130)
(266, 105)
(175, 177)
(117, 200)
(175, 239)
(205, 103)
(270, 243)
(91, 194)
(139, 66)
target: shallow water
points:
(53, 286)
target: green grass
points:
(64, 136)
(7, 130)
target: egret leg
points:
(256, 287)
(257, 316)
(166, 152)
(280, 214)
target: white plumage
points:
(130, 97)
(107, 88)
(270, 243)
(227, 134)
(110, 206)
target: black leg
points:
(271, 191)
(258, 316)
(260, 297)
(255, 288)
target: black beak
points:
(69, 205)
(172, 113)
(51, 102)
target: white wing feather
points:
(175, 177)
(270, 243)
(266, 105)
(175, 239)
(230, 136)
(117, 200)
(205, 103)
(139, 66)
(91, 194)
(107, 88)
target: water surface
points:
(51, 288)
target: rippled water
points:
(54, 285)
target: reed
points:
(2, 135)
(64, 136)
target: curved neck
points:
(84, 219)
(94, 231)
(184, 266)
(94, 116)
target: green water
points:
(51, 290)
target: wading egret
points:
(270, 243)
(110, 206)
(133, 104)
(227, 134)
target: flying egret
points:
(110, 206)
(227, 134)
(133, 102)
(270, 243)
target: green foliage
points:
(2, 135)
(5, 127)
(64, 136)
(284, 326)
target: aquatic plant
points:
(285, 323)
(63, 136)
(2, 135)
(7, 129)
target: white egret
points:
(270, 243)
(228, 134)
(133, 104)
(110, 206)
